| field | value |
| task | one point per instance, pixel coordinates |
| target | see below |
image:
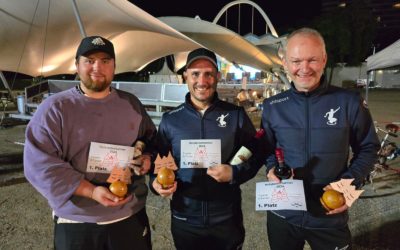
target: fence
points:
(156, 97)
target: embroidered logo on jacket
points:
(221, 120)
(331, 120)
(176, 110)
(279, 100)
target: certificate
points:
(289, 194)
(103, 157)
(200, 153)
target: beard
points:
(96, 86)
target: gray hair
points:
(305, 32)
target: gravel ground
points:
(25, 218)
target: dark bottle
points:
(282, 171)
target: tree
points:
(348, 34)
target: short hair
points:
(305, 32)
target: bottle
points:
(282, 171)
(137, 151)
(138, 148)
(244, 153)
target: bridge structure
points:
(224, 11)
(270, 42)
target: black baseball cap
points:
(201, 53)
(95, 43)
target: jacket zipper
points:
(307, 131)
(203, 203)
(307, 146)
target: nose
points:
(97, 65)
(203, 78)
(305, 66)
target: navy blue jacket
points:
(316, 131)
(199, 199)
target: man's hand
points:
(141, 164)
(221, 172)
(103, 196)
(164, 192)
(272, 177)
(339, 209)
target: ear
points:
(284, 63)
(76, 64)
(184, 75)
(325, 59)
(218, 76)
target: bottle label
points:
(242, 155)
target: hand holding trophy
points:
(339, 193)
(119, 178)
(165, 183)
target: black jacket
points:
(316, 131)
(199, 199)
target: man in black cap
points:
(56, 156)
(206, 201)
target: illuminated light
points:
(396, 5)
(244, 68)
(342, 5)
(55, 61)
(47, 68)
(380, 72)
(72, 68)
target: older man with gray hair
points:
(316, 124)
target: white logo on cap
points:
(98, 41)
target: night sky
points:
(283, 14)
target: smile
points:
(201, 88)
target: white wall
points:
(347, 73)
(383, 78)
(388, 78)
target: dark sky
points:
(282, 13)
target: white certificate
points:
(289, 194)
(200, 153)
(103, 157)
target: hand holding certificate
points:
(200, 153)
(288, 194)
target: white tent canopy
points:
(40, 37)
(224, 42)
(386, 58)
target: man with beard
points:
(206, 201)
(316, 124)
(58, 138)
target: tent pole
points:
(367, 86)
(78, 19)
(283, 78)
(370, 75)
(5, 83)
